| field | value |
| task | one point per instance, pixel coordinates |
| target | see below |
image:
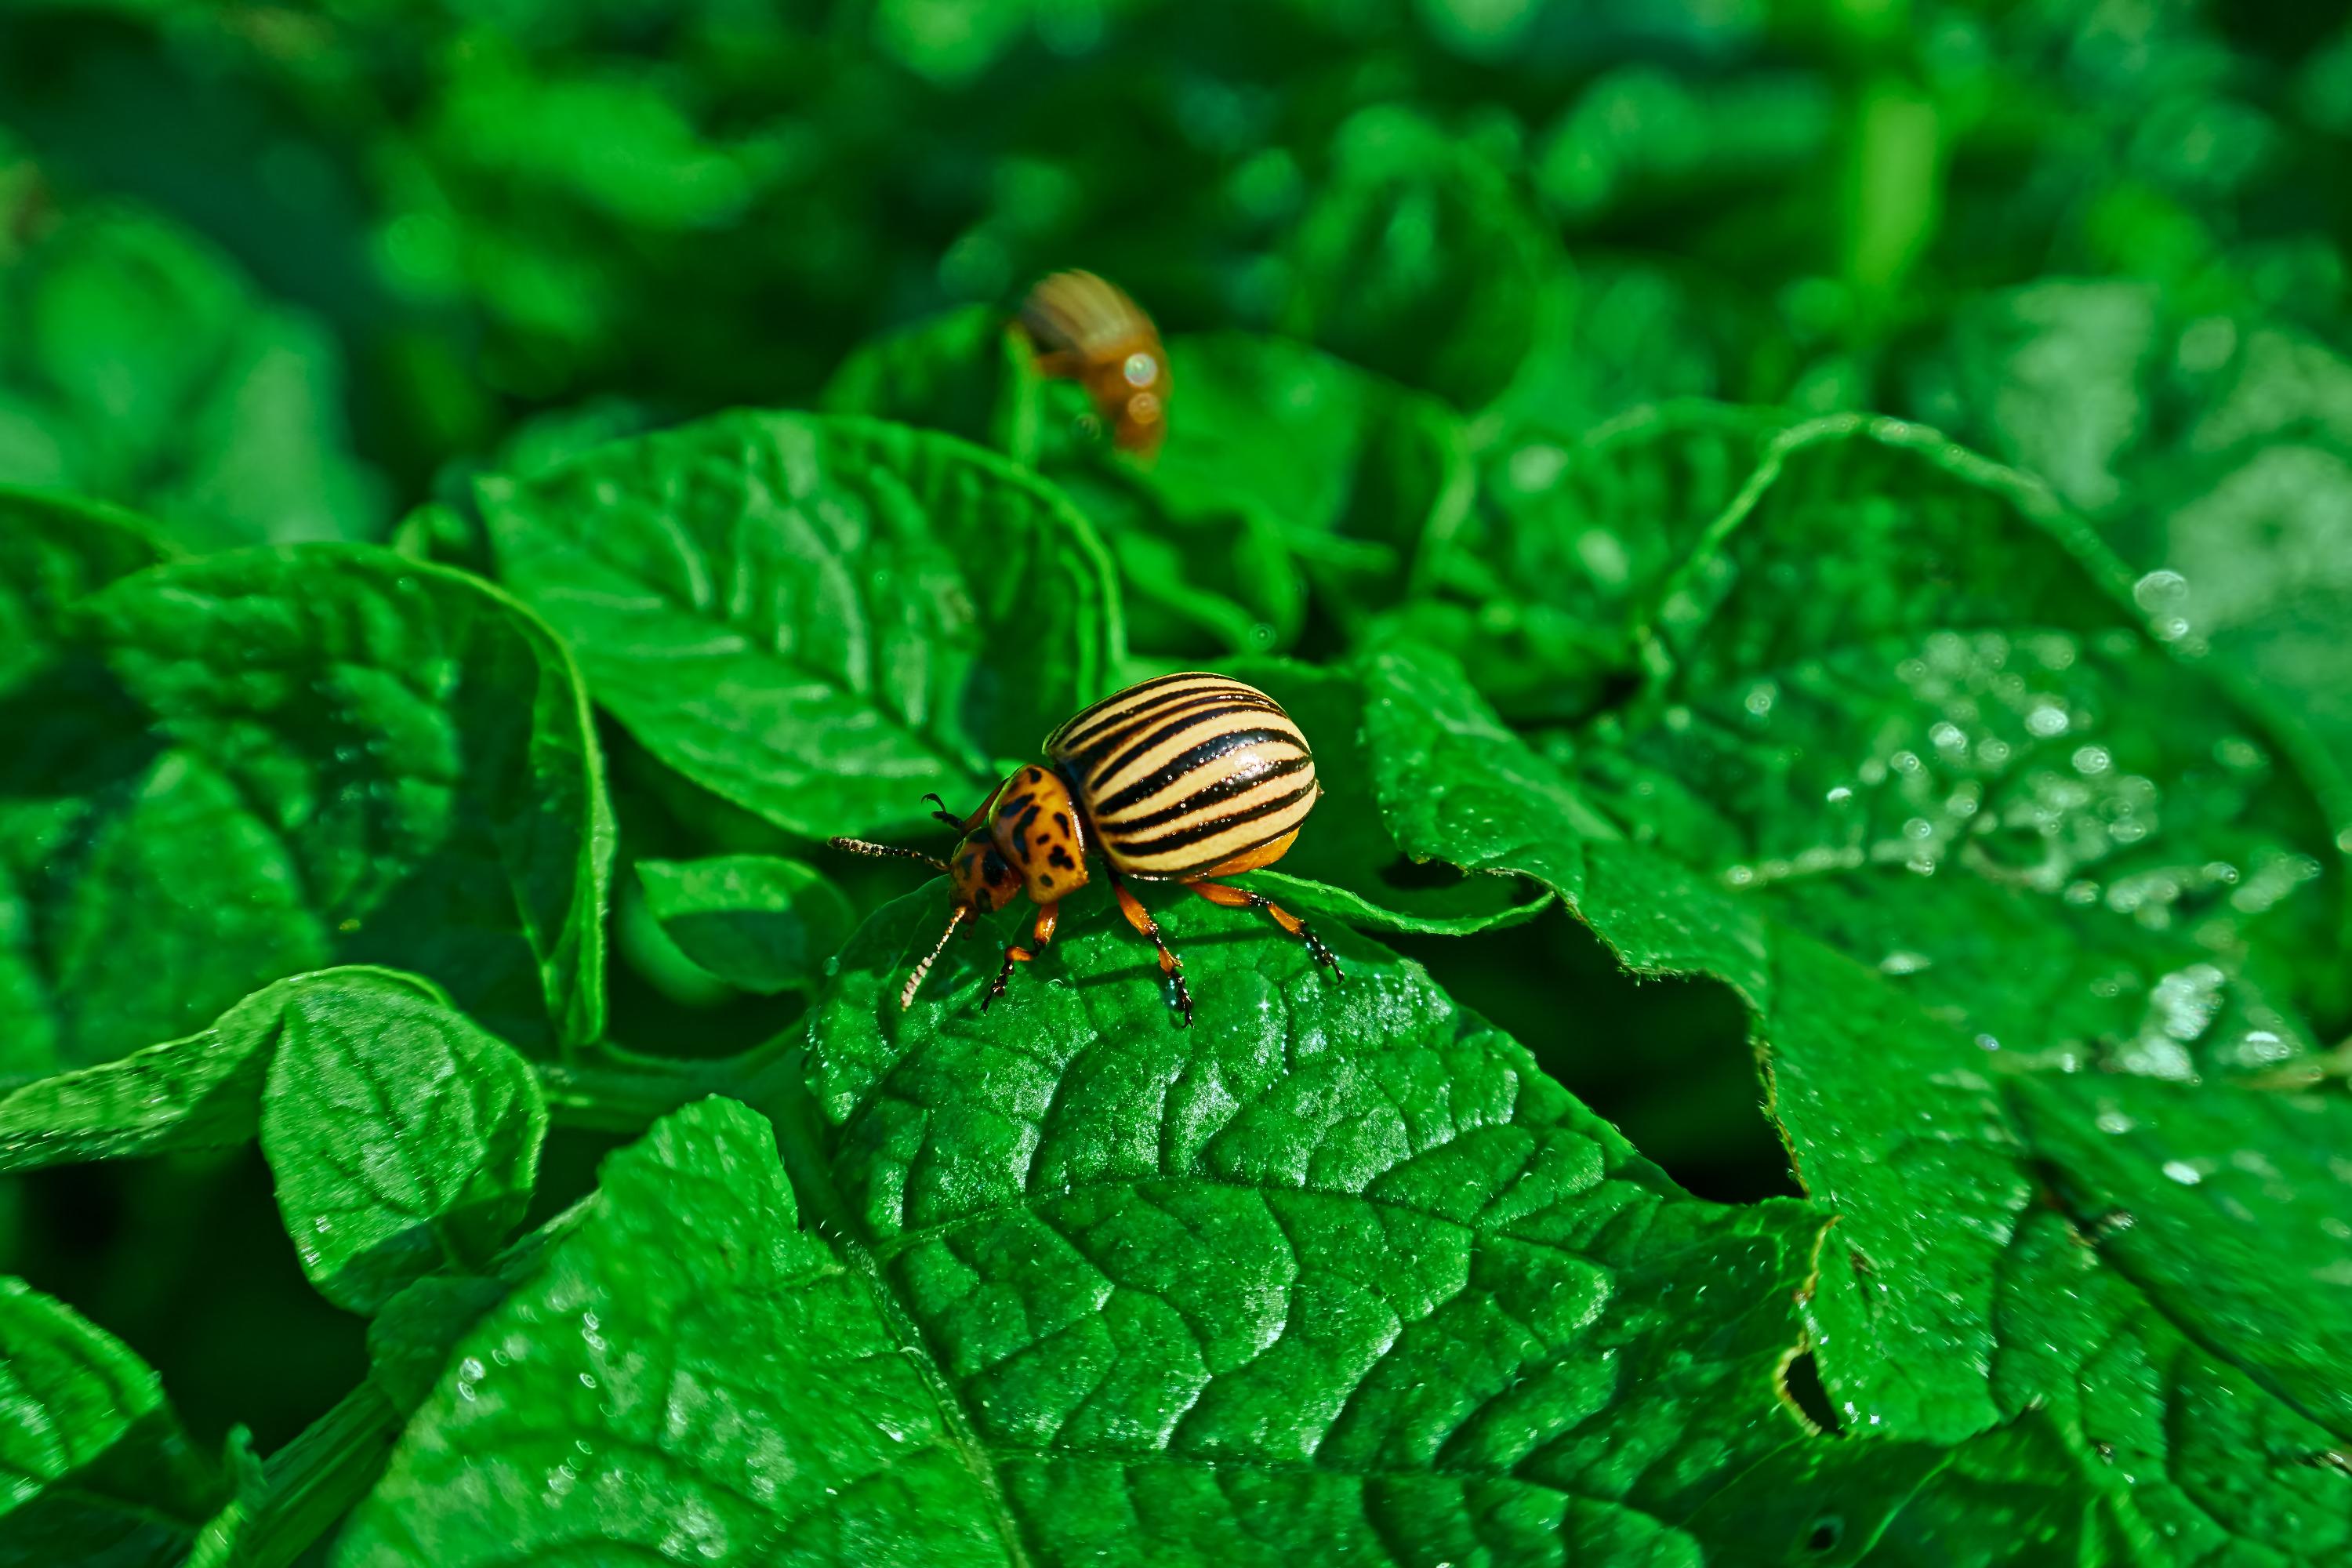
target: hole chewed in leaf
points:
(1668, 1060)
(1798, 1382)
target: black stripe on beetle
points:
(1183, 838)
(1074, 737)
(1086, 756)
(1125, 701)
(1097, 774)
(1207, 751)
(1217, 794)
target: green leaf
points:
(2213, 450)
(303, 757)
(756, 921)
(2186, 1456)
(1334, 1271)
(203, 1092)
(1422, 259)
(2009, 1498)
(53, 549)
(2226, 1206)
(774, 605)
(1852, 1063)
(402, 1139)
(1335, 1262)
(93, 1465)
(1907, 705)
(1893, 1121)
(1283, 466)
(412, 1338)
(1351, 861)
(63, 718)
(690, 1371)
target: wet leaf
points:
(2212, 447)
(1930, 1156)
(1853, 1063)
(2186, 1455)
(2226, 1206)
(1908, 705)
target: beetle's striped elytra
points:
(1087, 330)
(1185, 778)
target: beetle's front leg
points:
(1042, 933)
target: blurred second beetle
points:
(1087, 330)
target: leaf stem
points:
(626, 1091)
(314, 1479)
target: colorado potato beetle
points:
(1185, 779)
(1087, 330)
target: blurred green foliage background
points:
(279, 273)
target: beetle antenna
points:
(914, 981)
(887, 851)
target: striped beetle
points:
(1186, 779)
(1087, 330)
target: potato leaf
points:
(321, 754)
(1957, 754)
(402, 1138)
(789, 609)
(201, 1091)
(1334, 1269)
(139, 363)
(1930, 1154)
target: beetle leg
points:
(1243, 899)
(1046, 915)
(1140, 918)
